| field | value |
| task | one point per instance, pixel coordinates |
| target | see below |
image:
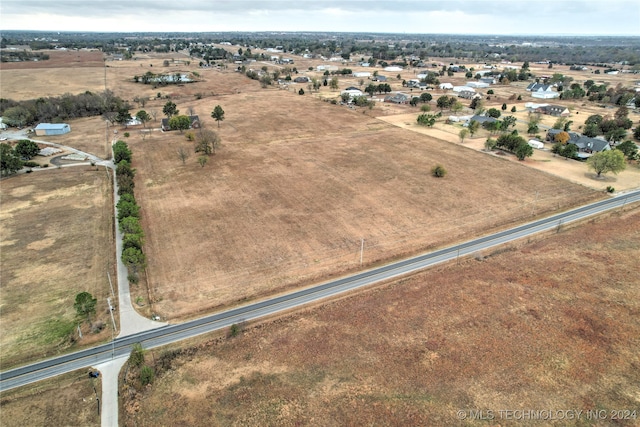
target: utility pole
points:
(111, 312)
(361, 250)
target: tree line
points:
(128, 213)
(58, 109)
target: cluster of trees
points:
(426, 119)
(12, 159)
(58, 109)
(613, 128)
(372, 88)
(128, 213)
(150, 78)
(22, 55)
(516, 144)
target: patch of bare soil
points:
(546, 325)
(56, 241)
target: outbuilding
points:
(52, 129)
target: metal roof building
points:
(52, 129)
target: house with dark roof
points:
(538, 87)
(301, 79)
(482, 119)
(467, 94)
(195, 123)
(398, 98)
(553, 110)
(586, 145)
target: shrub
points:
(127, 134)
(146, 375)
(46, 165)
(610, 189)
(31, 164)
(438, 171)
(234, 330)
(301, 91)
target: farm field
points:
(66, 400)
(56, 241)
(294, 188)
(550, 324)
(572, 170)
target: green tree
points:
(513, 109)
(504, 107)
(523, 151)
(136, 357)
(26, 149)
(371, 89)
(334, 83)
(126, 209)
(130, 225)
(507, 122)
(493, 112)
(463, 134)
(425, 97)
(427, 119)
(17, 116)
(473, 127)
(132, 241)
(170, 109)
(607, 161)
(629, 148)
(438, 171)
(123, 117)
(218, 114)
(202, 160)
(147, 375)
(10, 162)
(180, 123)
(85, 305)
(490, 144)
(591, 130)
(143, 117)
(121, 152)
(569, 151)
(134, 259)
(615, 135)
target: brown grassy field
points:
(297, 184)
(547, 325)
(66, 400)
(56, 234)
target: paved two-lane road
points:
(170, 334)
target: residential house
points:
(398, 98)
(586, 146)
(195, 123)
(553, 110)
(301, 79)
(353, 92)
(463, 88)
(478, 84)
(538, 87)
(482, 119)
(446, 86)
(467, 94)
(379, 78)
(488, 80)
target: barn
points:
(52, 129)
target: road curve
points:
(173, 333)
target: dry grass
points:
(56, 234)
(297, 184)
(66, 400)
(548, 325)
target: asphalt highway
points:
(173, 333)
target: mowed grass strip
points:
(56, 237)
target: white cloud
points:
(613, 17)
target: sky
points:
(500, 17)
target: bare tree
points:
(191, 110)
(183, 154)
(207, 141)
